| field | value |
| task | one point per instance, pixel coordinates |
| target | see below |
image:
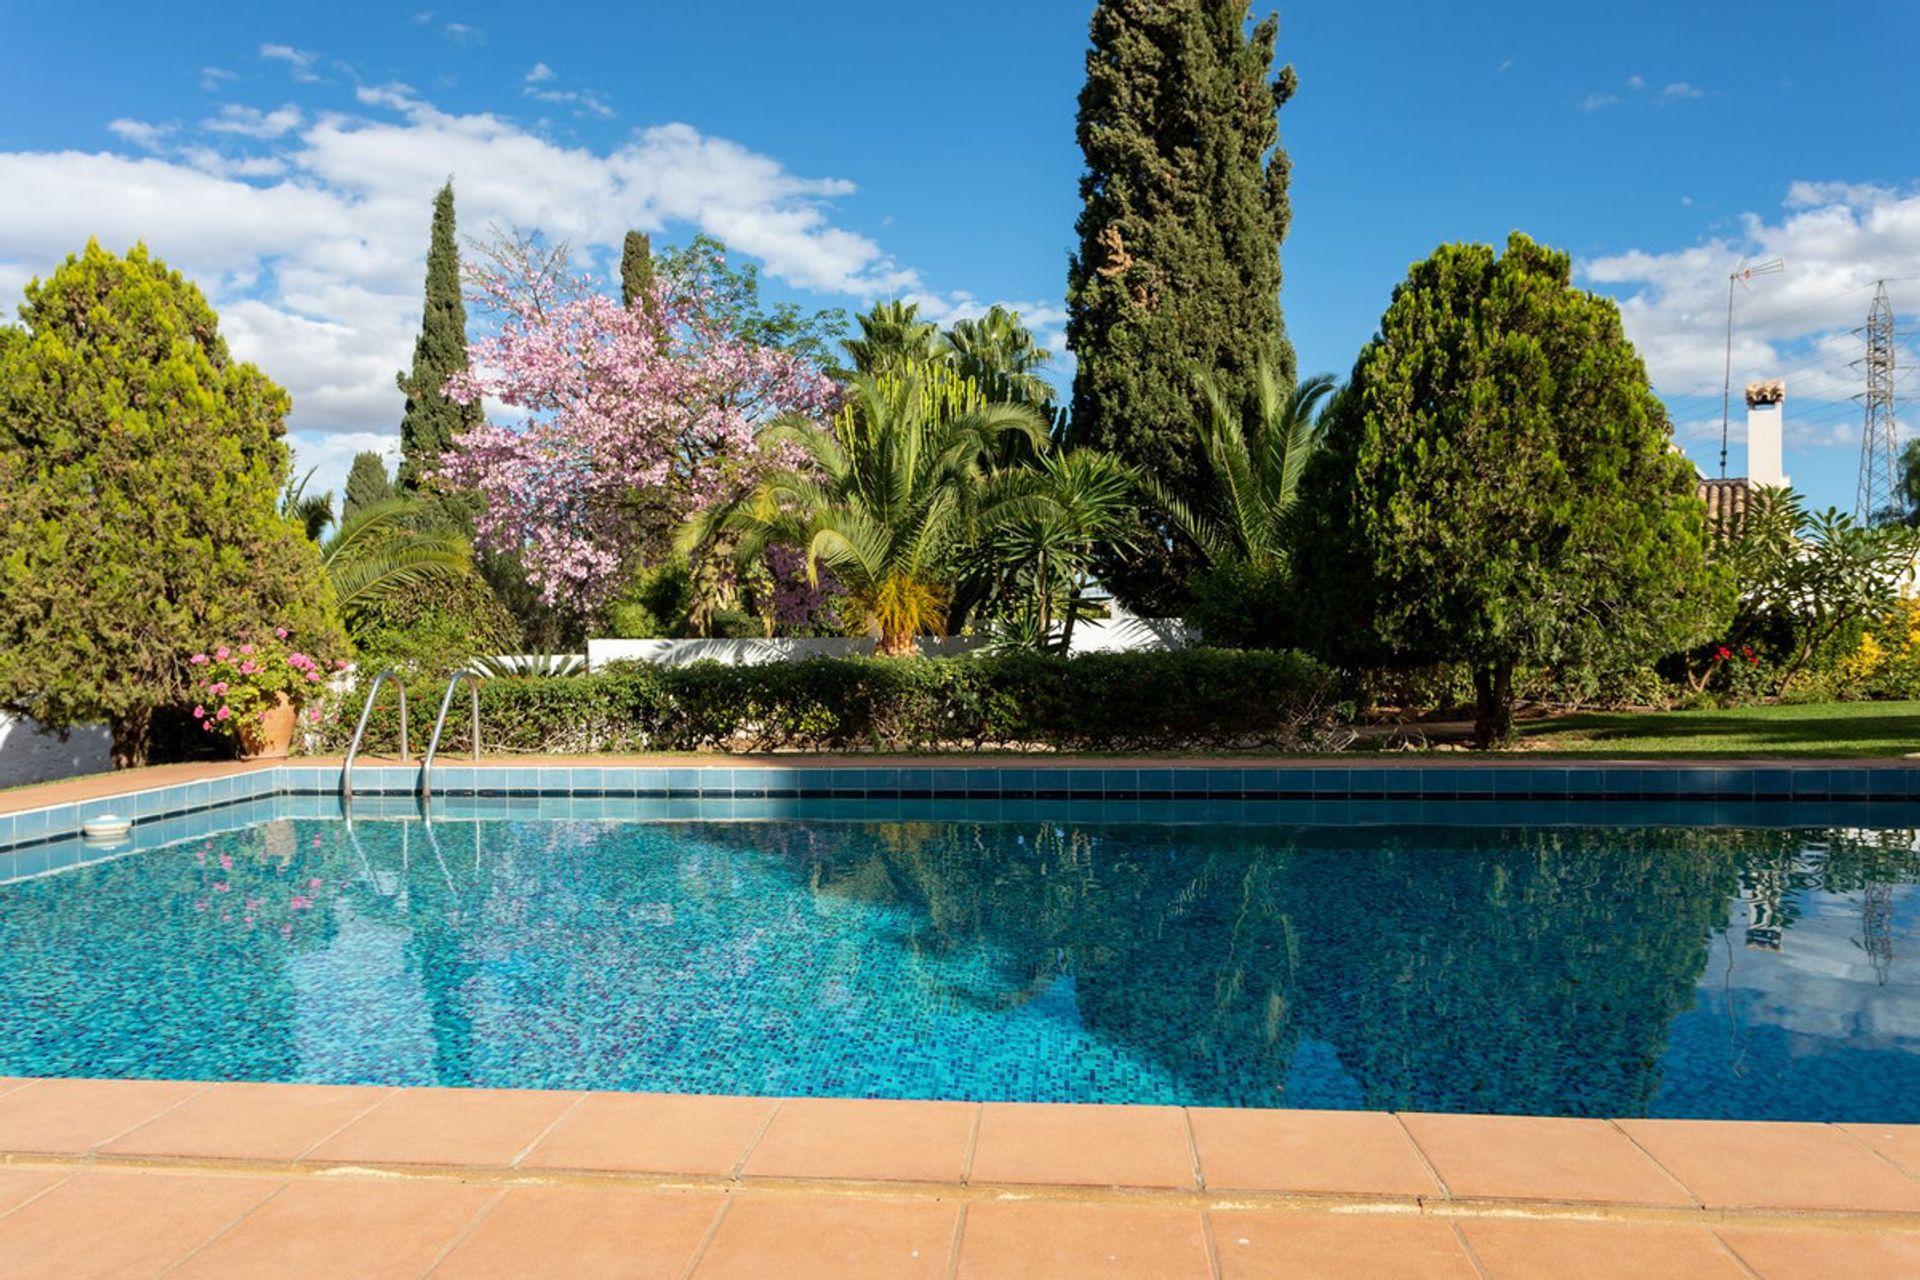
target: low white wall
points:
(29, 753)
(749, 653)
(1125, 633)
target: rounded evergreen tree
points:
(1498, 487)
(141, 468)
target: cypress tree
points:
(1183, 208)
(431, 421)
(367, 484)
(636, 268)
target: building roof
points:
(1726, 499)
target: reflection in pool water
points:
(1577, 971)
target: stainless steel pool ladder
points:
(353, 748)
(440, 724)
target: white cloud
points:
(251, 122)
(1636, 83)
(142, 134)
(462, 33)
(211, 78)
(309, 230)
(582, 102)
(541, 72)
(1837, 239)
(330, 457)
(1595, 101)
(299, 61)
(1680, 91)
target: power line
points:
(1879, 492)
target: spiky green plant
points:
(891, 494)
(894, 339)
(376, 554)
(1046, 522)
(1000, 354)
(1256, 467)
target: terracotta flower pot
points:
(270, 738)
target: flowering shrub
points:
(1887, 662)
(238, 684)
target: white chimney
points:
(1766, 406)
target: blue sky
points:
(286, 159)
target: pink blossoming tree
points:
(633, 417)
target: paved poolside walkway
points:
(149, 1178)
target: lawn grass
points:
(1825, 729)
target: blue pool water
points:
(1762, 974)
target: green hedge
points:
(1195, 699)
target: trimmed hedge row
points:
(1192, 699)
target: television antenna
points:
(1740, 276)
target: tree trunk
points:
(1073, 612)
(131, 732)
(897, 644)
(1493, 705)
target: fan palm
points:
(1256, 467)
(1000, 354)
(376, 554)
(890, 495)
(312, 512)
(1046, 521)
(893, 338)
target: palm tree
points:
(1000, 354)
(893, 338)
(312, 512)
(376, 554)
(1256, 468)
(890, 496)
(1045, 522)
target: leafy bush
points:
(1885, 663)
(1197, 699)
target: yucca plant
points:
(890, 495)
(1045, 522)
(376, 554)
(1256, 467)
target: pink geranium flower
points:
(224, 713)
(220, 654)
(281, 632)
(199, 713)
(246, 648)
(198, 659)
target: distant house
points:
(1727, 497)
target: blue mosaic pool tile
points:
(1513, 783)
(1847, 784)
(1620, 782)
(950, 782)
(1473, 782)
(1156, 783)
(1772, 782)
(1810, 783)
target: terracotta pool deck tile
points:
(1041, 1240)
(1542, 1249)
(865, 1140)
(1316, 1152)
(1310, 1246)
(1082, 1144)
(71, 1117)
(17, 1186)
(577, 1231)
(1898, 1143)
(1537, 1158)
(247, 1121)
(830, 1239)
(323, 1228)
(1775, 1165)
(122, 1224)
(1826, 1255)
(654, 1133)
(446, 1127)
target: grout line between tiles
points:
(1212, 1246)
(1466, 1247)
(552, 1124)
(1671, 1176)
(1734, 1253)
(230, 1228)
(973, 1144)
(1874, 1152)
(1433, 1170)
(733, 1174)
(44, 1191)
(379, 1100)
(1193, 1149)
(459, 1237)
(713, 1229)
(147, 1120)
(959, 1234)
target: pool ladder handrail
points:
(440, 725)
(366, 710)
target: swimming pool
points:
(1646, 968)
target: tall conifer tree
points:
(432, 420)
(1183, 208)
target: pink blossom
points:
(199, 713)
(198, 659)
(300, 902)
(281, 632)
(226, 862)
(314, 883)
(217, 688)
(221, 886)
(246, 648)
(615, 402)
(339, 664)
(220, 654)
(224, 713)
(313, 677)
(248, 668)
